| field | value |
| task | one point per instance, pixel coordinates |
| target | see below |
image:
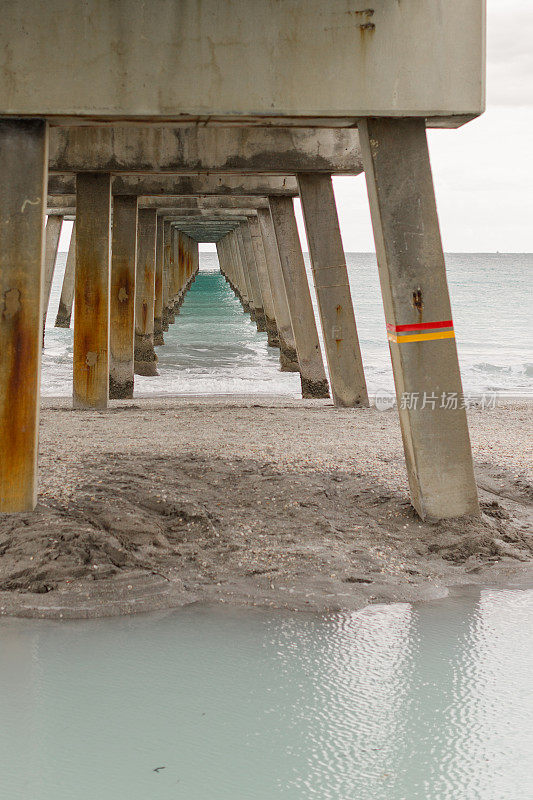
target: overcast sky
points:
(483, 172)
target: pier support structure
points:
(145, 358)
(122, 296)
(312, 373)
(328, 265)
(64, 312)
(419, 319)
(54, 224)
(23, 167)
(249, 256)
(158, 296)
(91, 319)
(264, 282)
(287, 345)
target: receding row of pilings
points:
(152, 267)
(409, 251)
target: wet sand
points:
(254, 501)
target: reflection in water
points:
(394, 702)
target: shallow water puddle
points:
(391, 703)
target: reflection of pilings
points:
(52, 236)
(122, 296)
(23, 154)
(64, 312)
(287, 344)
(91, 318)
(145, 359)
(418, 314)
(312, 373)
(330, 275)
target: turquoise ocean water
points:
(215, 348)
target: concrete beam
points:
(185, 185)
(168, 204)
(155, 148)
(236, 60)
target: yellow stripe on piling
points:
(421, 337)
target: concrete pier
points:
(64, 312)
(54, 224)
(91, 320)
(165, 291)
(287, 345)
(419, 318)
(264, 282)
(158, 296)
(23, 155)
(312, 373)
(122, 296)
(145, 356)
(234, 242)
(249, 255)
(328, 262)
(239, 240)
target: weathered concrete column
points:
(23, 167)
(264, 282)
(91, 318)
(64, 312)
(259, 312)
(312, 373)
(419, 319)
(245, 272)
(145, 356)
(52, 236)
(328, 262)
(177, 248)
(239, 273)
(287, 345)
(167, 316)
(122, 296)
(158, 297)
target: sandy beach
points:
(254, 501)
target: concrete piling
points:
(122, 296)
(52, 235)
(264, 282)
(245, 272)
(166, 318)
(330, 275)
(312, 373)
(287, 345)
(145, 358)
(158, 296)
(419, 319)
(235, 249)
(23, 166)
(64, 311)
(249, 255)
(91, 320)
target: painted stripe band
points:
(421, 337)
(420, 326)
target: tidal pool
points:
(394, 702)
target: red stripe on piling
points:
(420, 326)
